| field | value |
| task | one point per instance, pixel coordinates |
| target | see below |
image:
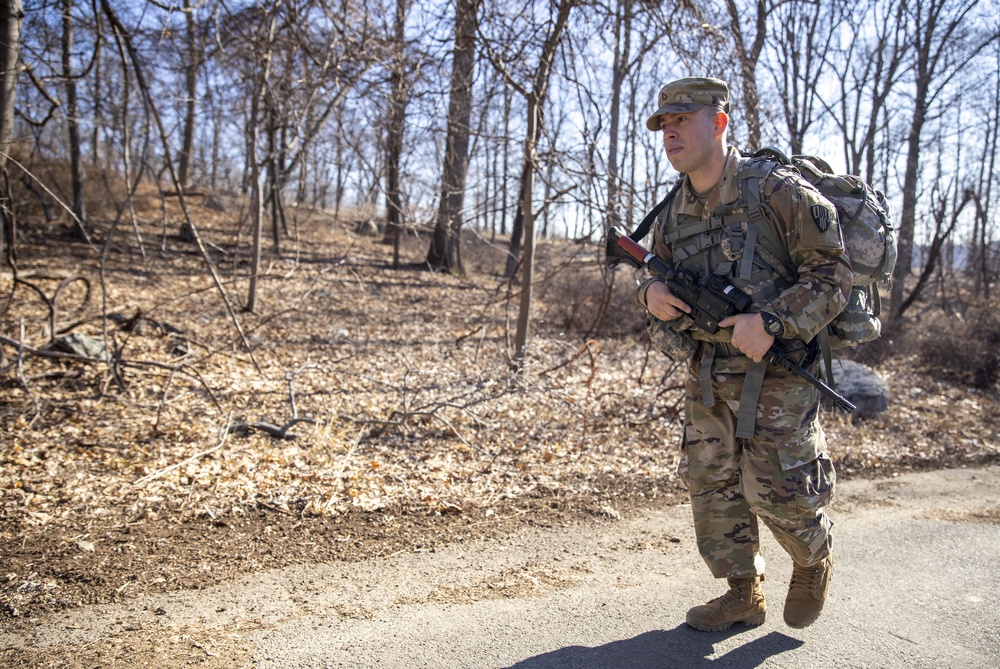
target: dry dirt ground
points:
(357, 411)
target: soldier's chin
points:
(677, 162)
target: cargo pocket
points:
(791, 478)
(815, 483)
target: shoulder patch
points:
(822, 216)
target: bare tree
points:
(192, 63)
(73, 121)
(944, 43)
(748, 57)
(525, 220)
(535, 97)
(620, 66)
(444, 252)
(800, 54)
(629, 19)
(259, 92)
(395, 127)
(11, 15)
(867, 68)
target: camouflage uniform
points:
(770, 460)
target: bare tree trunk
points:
(73, 123)
(507, 101)
(216, 139)
(271, 176)
(445, 250)
(98, 96)
(528, 262)
(517, 226)
(256, 208)
(191, 92)
(623, 35)
(907, 219)
(11, 15)
(536, 101)
(394, 139)
(259, 94)
(338, 190)
(938, 44)
(748, 63)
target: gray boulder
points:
(863, 387)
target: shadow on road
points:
(682, 647)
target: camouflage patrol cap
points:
(689, 94)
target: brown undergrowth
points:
(360, 410)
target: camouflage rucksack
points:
(869, 240)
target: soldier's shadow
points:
(680, 648)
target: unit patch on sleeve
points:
(821, 216)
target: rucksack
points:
(869, 240)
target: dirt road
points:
(916, 585)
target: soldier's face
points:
(689, 138)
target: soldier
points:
(753, 447)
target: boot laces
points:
(737, 594)
(807, 577)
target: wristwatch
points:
(772, 324)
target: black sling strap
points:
(640, 232)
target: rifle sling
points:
(640, 232)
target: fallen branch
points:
(343, 468)
(197, 456)
(133, 364)
(273, 430)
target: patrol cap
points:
(689, 94)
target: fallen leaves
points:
(404, 376)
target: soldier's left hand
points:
(749, 335)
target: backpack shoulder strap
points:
(750, 179)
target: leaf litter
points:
(385, 416)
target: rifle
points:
(712, 299)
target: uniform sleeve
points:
(809, 224)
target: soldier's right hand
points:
(663, 304)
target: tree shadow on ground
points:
(680, 648)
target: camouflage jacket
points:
(796, 268)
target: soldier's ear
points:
(721, 123)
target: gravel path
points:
(915, 586)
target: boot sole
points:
(752, 621)
(800, 624)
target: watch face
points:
(772, 325)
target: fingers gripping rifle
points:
(711, 300)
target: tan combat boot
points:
(807, 593)
(744, 603)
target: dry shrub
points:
(482, 255)
(963, 349)
(579, 298)
(42, 190)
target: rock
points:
(83, 346)
(863, 387)
(213, 203)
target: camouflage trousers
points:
(783, 475)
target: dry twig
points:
(197, 456)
